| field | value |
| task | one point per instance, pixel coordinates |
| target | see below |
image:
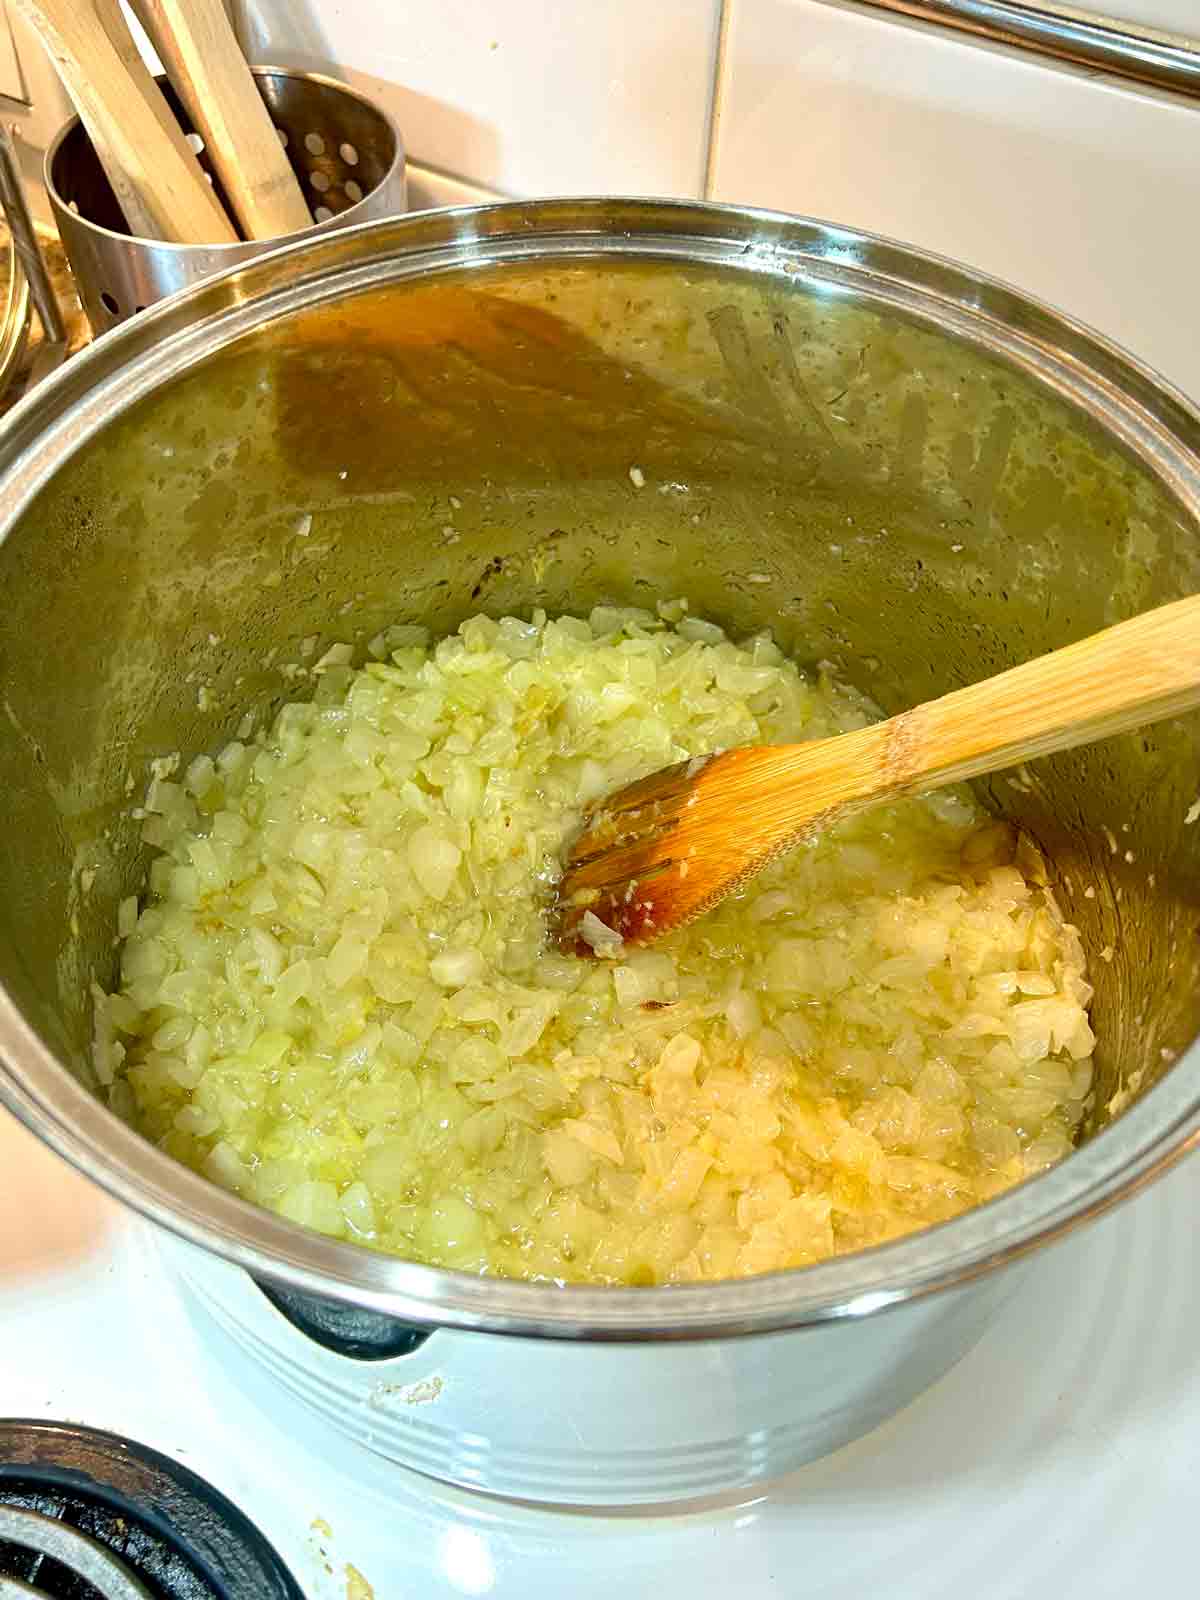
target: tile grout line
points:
(716, 96)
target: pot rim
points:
(1127, 398)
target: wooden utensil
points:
(664, 850)
(202, 58)
(112, 20)
(155, 176)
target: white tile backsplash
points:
(591, 96)
(1076, 187)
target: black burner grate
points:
(86, 1515)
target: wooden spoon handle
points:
(1132, 674)
(203, 60)
(157, 180)
(666, 848)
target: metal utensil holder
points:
(346, 152)
(14, 315)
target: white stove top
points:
(1060, 1458)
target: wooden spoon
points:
(662, 851)
(156, 178)
(201, 56)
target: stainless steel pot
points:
(897, 464)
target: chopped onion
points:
(337, 997)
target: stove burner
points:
(83, 1556)
(86, 1515)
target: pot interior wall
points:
(877, 492)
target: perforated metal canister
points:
(346, 152)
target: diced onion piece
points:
(605, 941)
(434, 860)
(456, 968)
